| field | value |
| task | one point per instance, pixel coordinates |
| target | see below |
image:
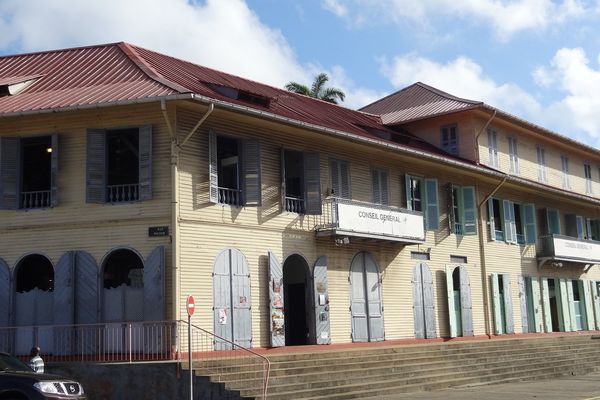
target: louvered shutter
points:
(428, 302)
(312, 184)
(145, 161)
(509, 222)
(571, 305)
(10, 172)
(87, 283)
(596, 301)
(383, 181)
(469, 211)
(321, 301)
(546, 305)
(213, 168)
(450, 208)
(334, 171)
(491, 219)
(241, 300)
(523, 303)
(571, 225)
(562, 302)
(584, 290)
(553, 222)
(418, 307)
(5, 291)
(276, 296)
(154, 285)
(536, 301)
(358, 299)
(376, 187)
(543, 215)
(408, 192)
(465, 302)
(96, 166)
(508, 309)
(431, 210)
(451, 306)
(282, 177)
(54, 172)
(344, 180)
(251, 173)
(64, 290)
(498, 328)
(530, 224)
(374, 300)
(222, 300)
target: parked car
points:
(19, 382)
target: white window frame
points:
(513, 155)
(541, 160)
(564, 161)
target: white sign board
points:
(373, 221)
(573, 249)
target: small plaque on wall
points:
(158, 231)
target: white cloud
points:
(504, 17)
(335, 7)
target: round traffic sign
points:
(190, 305)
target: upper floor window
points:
(493, 148)
(234, 170)
(550, 221)
(300, 182)
(340, 178)
(541, 160)
(422, 195)
(513, 155)
(28, 172)
(449, 139)
(380, 186)
(512, 222)
(119, 165)
(592, 229)
(587, 170)
(462, 211)
(564, 160)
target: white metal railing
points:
(35, 199)
(123, 193)
(230, 196)
(237, 367)
(294, 204)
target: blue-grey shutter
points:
(465, 302)
(358, 299)
(428, 302)
(469, 211)
(241, 300)
(222, 299)
(491, 219)
(510, 233)
(536, 302)
(562, 305)
(418, 307)
(571, 225)
(86, 289)
(452, 320)
(276, 296)
(431, 210)
(450, 208)
(322, 330)
(312, 184)
(508, 309)
(408, 192)
(376, 187)
(596, 301)
(344, 180)
(571, 305)
(374, 301)
(523, 304)
(64, 290)
(553, 221)
(282, 177)
(546, 305)
(334, 172)
(10, 171)
(54, 172)
(383, 181)
(251, 175)
(213, 168)
(154, 285)
(5, 291)
(96, 166)
(145, 161)
(584, 288)
(530, 223)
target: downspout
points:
(483, 128)
(175, 242)
(484, 280)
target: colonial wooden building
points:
(130, 179)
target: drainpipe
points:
(480, 132)
(484, 279)
(175, 242)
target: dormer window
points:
(14, 85)
(240, 94)
(449, 139)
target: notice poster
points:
(223, 316)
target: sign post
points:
(190, 306)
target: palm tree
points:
(318, 89)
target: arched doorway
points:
(460, 318)
(366, 304)
(232, 299)
(33, 303)
(423, 302)
(297, 300)
(123, 287)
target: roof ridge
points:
(445, 94)
(63, 50)
(140, 62)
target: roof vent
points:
(10, 86)
(239, 94)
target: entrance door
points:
(297, 299)
(460, 315)
(423, 305)
(366, 305)
(501, 295)
(529, 296)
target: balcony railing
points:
(294, 204)
(123, 193)
(230, 196)
(36, 199)
(566, 248)
(343, 217)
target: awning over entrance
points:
(557, 249)
(347, 218)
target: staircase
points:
(376, 371)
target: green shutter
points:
(213, 168)
(491, 219)
(334, 172)
(54, 172)
(553, 222)
(251, 172)
(562, 302)
(587, 309)
(312, 184)
(469, 211)
(546, 305)
(409, 197)
(10, 172)
(530, 224)
(536, 299)
(431, 200)
(510, 232)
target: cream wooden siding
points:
(207, 228)
(74, 224)
(527, 143)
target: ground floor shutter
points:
(536, 301)
(222, 300)
(546, 305)
(154, 285)
(358, 300)
(5, 291)
(64, 290)
(451, 306)
(596, 301)
(321, 301)
(241, 300)
(585, 291)
(374, 300)
(523, 299)
(466, 308)
(508, 309)
(418, 308)
(86, 289)
(277, 324)
(562, 302)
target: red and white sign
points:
(190, 305)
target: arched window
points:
(123, 267)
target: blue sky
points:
(537, 59)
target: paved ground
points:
(583, 387)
